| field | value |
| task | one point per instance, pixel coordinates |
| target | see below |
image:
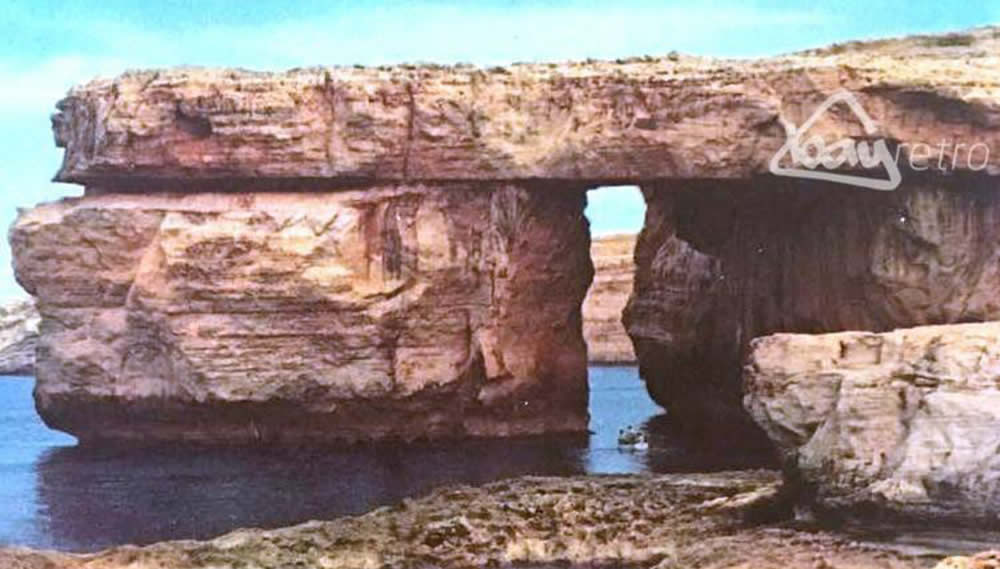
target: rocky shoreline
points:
(729, 519)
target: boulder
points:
(904, 424)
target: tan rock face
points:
(614, 269)
(722, 263)
(638, 120)
(18, 335)
(390, 312)
(904, 422)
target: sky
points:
(48, 46)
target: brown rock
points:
(905, 422)
(614, 268)
(642, 119)
(391, 312)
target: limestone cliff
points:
(390, 312)
(18, 334)
(635, 120)
(607, 340)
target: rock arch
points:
(361, 253)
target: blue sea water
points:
(56, 495)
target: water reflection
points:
(88, 499)
(95, 499)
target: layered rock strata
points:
(641, 119)
(614, 269)
(904, 423)
(401, 311)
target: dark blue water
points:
(54, 495)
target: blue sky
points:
(45, 47)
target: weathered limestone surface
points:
(614, 269)
(681, 520)
(19, 322)
(389, 312)
(905, 423)
(634, 120)
(720, 263)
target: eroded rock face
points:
(641, 119)
(389, 312)
(904, 423)
(614, 269)
(18, 334)
(722, 263)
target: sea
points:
(56, 495)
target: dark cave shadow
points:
(672, 449)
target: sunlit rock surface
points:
(906, 422)
(614, 268)
(640, 119)
(390, 312)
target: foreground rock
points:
(903, 424)
(614, 268)
(265, 317)
(19, 322)
(982, 560)
(699, 520)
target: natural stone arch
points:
(161, 152)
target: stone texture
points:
(693, 520)
(614, 269)
(903, 423)
(720, 263)
(389, 312)
(19, 322)
(982, 560)
(640, 119)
